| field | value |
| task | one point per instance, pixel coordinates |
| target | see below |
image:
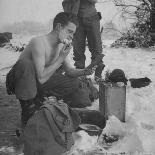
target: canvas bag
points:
(49, 131)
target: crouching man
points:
(43, 68)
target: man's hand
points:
(65, 51)
(88, 71)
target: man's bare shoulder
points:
(37, 43)
(37, 39)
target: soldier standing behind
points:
(89, 28)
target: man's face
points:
(67, 32)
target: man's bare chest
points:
(51, 55)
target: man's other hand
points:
(65, 50)
(88, 71)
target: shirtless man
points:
(37, 73)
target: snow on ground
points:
(138, 132)
(7, 59)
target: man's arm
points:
(93, 1)
(71, 71)
(38, 57)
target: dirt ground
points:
(9, 116)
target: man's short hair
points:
(63, 18)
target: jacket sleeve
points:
(71, 6)
(66, 5)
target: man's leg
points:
(94, 41)
(29, 107)
(25, 80)
(79, 43)
(26, 89)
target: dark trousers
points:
(89, 28)
(31, 93)
(59, 85)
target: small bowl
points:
(92, 130)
